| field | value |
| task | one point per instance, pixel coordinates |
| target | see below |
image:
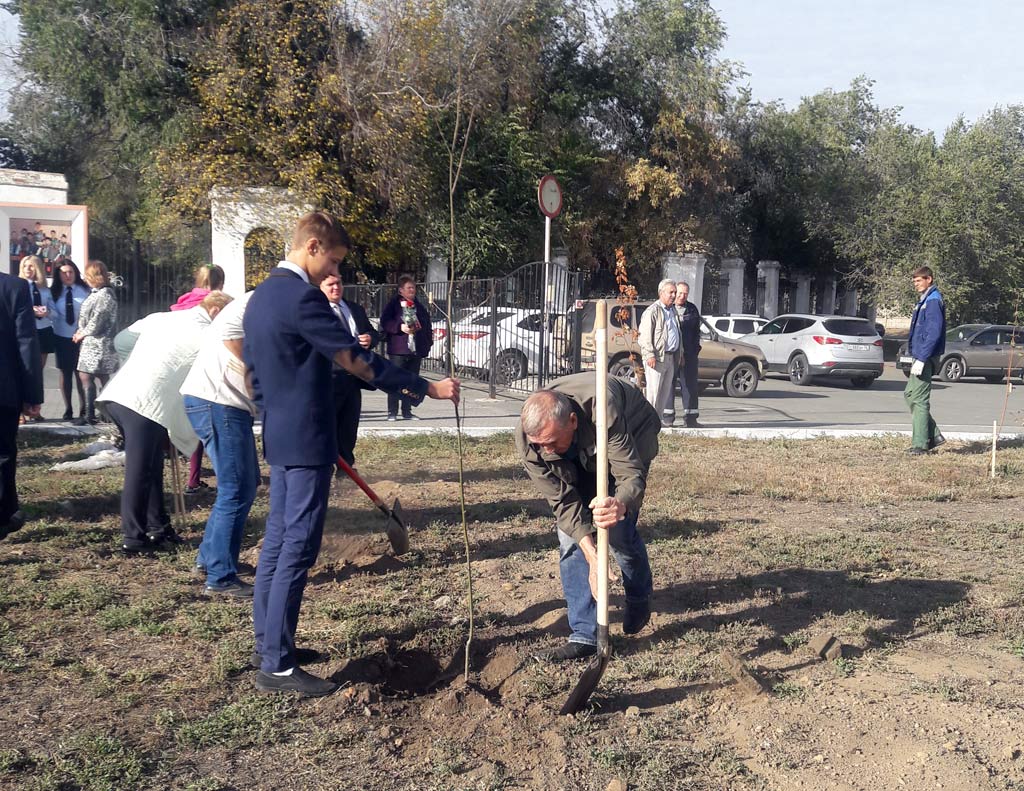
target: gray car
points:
(987, 350)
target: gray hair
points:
(665, 284)
(543, 407)
(682, 283)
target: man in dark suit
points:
(348, 389)
(291, 339)
(21, 387)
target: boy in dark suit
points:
(291, 339)
(21, 388)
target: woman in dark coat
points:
(405, 323)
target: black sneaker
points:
(232, 590)
(80, 421)
(636, 618)
(564, 652)
(13, 525)
(297, 681)
(68, 414)
(135, 548)
(303, 656)
(937, 440)
(691, 422)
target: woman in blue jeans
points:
(221, 412)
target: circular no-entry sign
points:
(549, 196)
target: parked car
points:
(805, 346)
(517, 343)
(735, 325)
(737, 367)
(987, 350)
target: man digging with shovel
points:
(556, 440)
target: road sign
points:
(549, 196)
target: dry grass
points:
(119, 674)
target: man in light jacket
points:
(143, 399)
(659, 349)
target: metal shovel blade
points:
(591, 677)
(397, 534)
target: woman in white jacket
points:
(143, 400)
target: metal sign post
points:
(549, 197)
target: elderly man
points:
(689, 350)
(557, 442)
(659, 349)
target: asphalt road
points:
(967, 406)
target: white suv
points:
(736, 325)
(805, 346)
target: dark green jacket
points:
(633, 427)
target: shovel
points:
(592, 674)
(395, 527)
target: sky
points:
(936, 59)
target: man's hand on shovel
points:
(445, 390)
(607, 513)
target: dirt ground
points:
(119, 673)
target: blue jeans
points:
(226, 433)
(295, 527)
(628, 549)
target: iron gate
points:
(496, 332)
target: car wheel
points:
(625, 368)
(799, 370)
(995, 379)
(510, 366)
(741, 380)
(952, 370)
(862, 382)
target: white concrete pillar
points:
(733, 269)
(769, 270)
(687, 268)
(849, 302)
(828, 297)
(802, 299)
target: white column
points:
(802, 300)
(770, 271)
(828, 297)
(687, 268)
(734, 269)
(849, 302)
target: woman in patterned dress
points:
(97, 326)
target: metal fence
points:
(500, 330)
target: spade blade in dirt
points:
(395, 525)
(590, 679)
(397, 534)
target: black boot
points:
(691, 422)
(90, 405)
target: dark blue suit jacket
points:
(20, 361)
(291, 338)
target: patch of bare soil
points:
(119, 674)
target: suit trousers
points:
(8, 462)
(295, 526)
(348, 403)
(661, 384)
(143, 514)
(688, 385)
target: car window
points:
(743, 326)
(1016, 337)
(773, 327)
(483, 319)
(622, 316)
(797, 324)
(961, 333)
(532, 323)
(723, 325)
(986, 338)
(856, 327)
